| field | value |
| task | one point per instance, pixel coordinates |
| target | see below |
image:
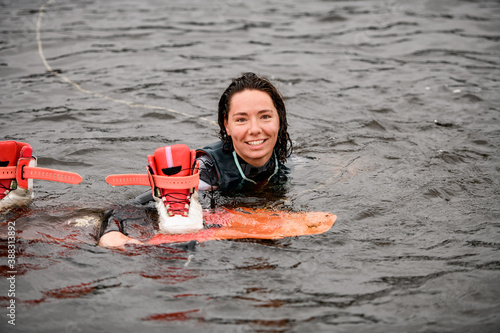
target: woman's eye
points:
(240, 120)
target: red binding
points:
(158, 181)
(22, 171)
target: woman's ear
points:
(226, 127)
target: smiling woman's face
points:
(253, 124)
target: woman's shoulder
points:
(214, 151)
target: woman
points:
(254, 138)
(253, 148)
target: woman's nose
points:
(254, 127)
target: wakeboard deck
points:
(72, 225)
(253, 223)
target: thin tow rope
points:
(41, 13)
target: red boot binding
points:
(17, 171)
(174, 180)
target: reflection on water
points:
(393, 109)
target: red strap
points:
(8, 172)
(132, 179)
(52, 175)
(40, 173)
(177, 183)
(172, 183)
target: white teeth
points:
(255, 143)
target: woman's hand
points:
(116, 239)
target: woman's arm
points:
(209, 180)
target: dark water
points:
(394, 112)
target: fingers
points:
(115, 239)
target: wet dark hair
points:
(250, 81)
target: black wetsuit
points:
(228, 172)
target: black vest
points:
(230, 178)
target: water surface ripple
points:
(394, 112)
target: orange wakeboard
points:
(78, 225)
(253, 223)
